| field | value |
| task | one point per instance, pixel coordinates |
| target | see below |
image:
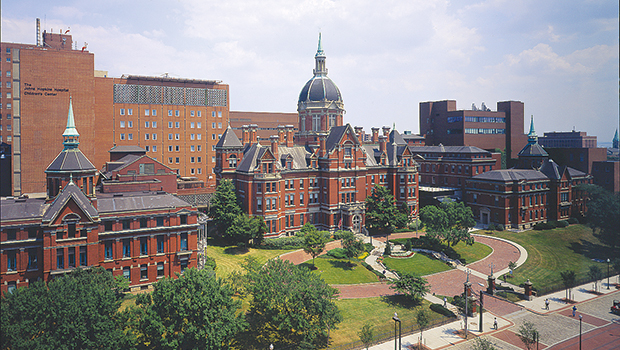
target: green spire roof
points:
(616, 139)
(71, 135)
(319, 50)
(532, 137)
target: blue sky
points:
(559, 57)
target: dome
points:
(320, 88)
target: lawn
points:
(471, 253)
(338, 271)
(552, 251)
(377, 312)
(230, 259)
(418, 264)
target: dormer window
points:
(347, 151)
(232, 161)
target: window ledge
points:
(11, 272)
(126, 258)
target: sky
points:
(560, 58)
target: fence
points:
(560, 286)
(407, 327)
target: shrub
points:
(338, 234)
(562, 223)
(338, 253)
(388, 249)
(292, 242)
(500, 227)
(379, 274)
(438, 308)
(408, 245)
(573, 221)
(491, 227)
(368, 247)
(545, 225)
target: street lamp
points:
(270, 346)
(396, 320)
(608, 261)
(580, 317)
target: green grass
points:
(471, 253)
(418, 264)
(230, 259)
(338, 271)
(552, 251)
(377, 312)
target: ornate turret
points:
(532, 138)
(532, 155)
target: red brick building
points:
(607, 174)
(143, 235)
(536, 190)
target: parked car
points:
(616, 307)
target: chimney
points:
(382, 143)
(358, 133)
(322, 145)
(274, 146)
(289, 136)
(386, 130)
(245, 135)
(281, 135)
(253, 136)
(375, 135)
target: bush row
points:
(292, 242)
(551, 225)
(438, 308)
(338, 253)
(496, 227)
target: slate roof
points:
(507, 175)
(71, 191)
(372, 154)
(70, 160)
(229, 139)
(320, 88)
(249, 161)
(446, 149)
(136, 201)
(335, 135)
(533, 150)
(127, 149)
(22, 208)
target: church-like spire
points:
(319, 59)
(532, 137)
(71, 137)
(614, 142)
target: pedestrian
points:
(547, 304)
(574, 310)
(445, 301)
(495, 323)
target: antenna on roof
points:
(38, 32)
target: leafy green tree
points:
(483, 344)
(245, 229)
(314, 241)
(423, 319)
(603, 213)
(528, 334)
(352, 246)
(411, 285)
(450, 222)
(290, 305)
(382, 214)
(75, 311)
(194, 311)
(224, 206)
(569, 280)
(596, 275)
(367, 335)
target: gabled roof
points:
(127, 149)
(533, 150)
(21, 208)
(71, 192)
(70, 160)
(507, 175)
(128, 160)
(228, 139)
(336, 133)
(395, 136)
(249, 161)
(137, 201)
(551, 169)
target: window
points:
(122, 111)
(144, 246)
(130, 123)
(12, 285)
(71, 255)
(183, 219)
(301, 199)
(109, 255)
(176, 113)
(159, 221)
(129, 111)
(160, 244)
(122, 136)
(169, 113)
(160, 269)
(83, 256)
(32, 258)
(130, 136)
(212, 136)
(153, 113)
(191, 113)
(146, 137)
(11, 261)
(176, 136)
(126, 248)
(192, 136)
(144, 272)
(154, 137)
(219, 125)
(122, 123)
(199, 113)
(199, 159)
(177, 125)
(219, 114)
(127, 273)
(198, 125)
(177, 160)
(191, 125)
(154, 149)
(199, 136)
(176, 148)
(183, 241)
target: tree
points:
(423, 320)
(245, 229)
(366, 335)
(411, 285)
(450, 222)
(596, 275)
(382, 214)
(76, 311)
(224, 206)
(314, 241)
(194, 311)
(568, 279)
(483, 344)
(290, 305)
(603, 213)
(352, 246)
(616, 265)
(528, 334)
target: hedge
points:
(292, 242)
(338, 253)
(438, 308)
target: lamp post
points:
(467, 286)
(580, 317)
(608, 261)
(396, 320)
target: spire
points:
(319, 58)
(70, 136)
(532, 137)
(615, 140)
